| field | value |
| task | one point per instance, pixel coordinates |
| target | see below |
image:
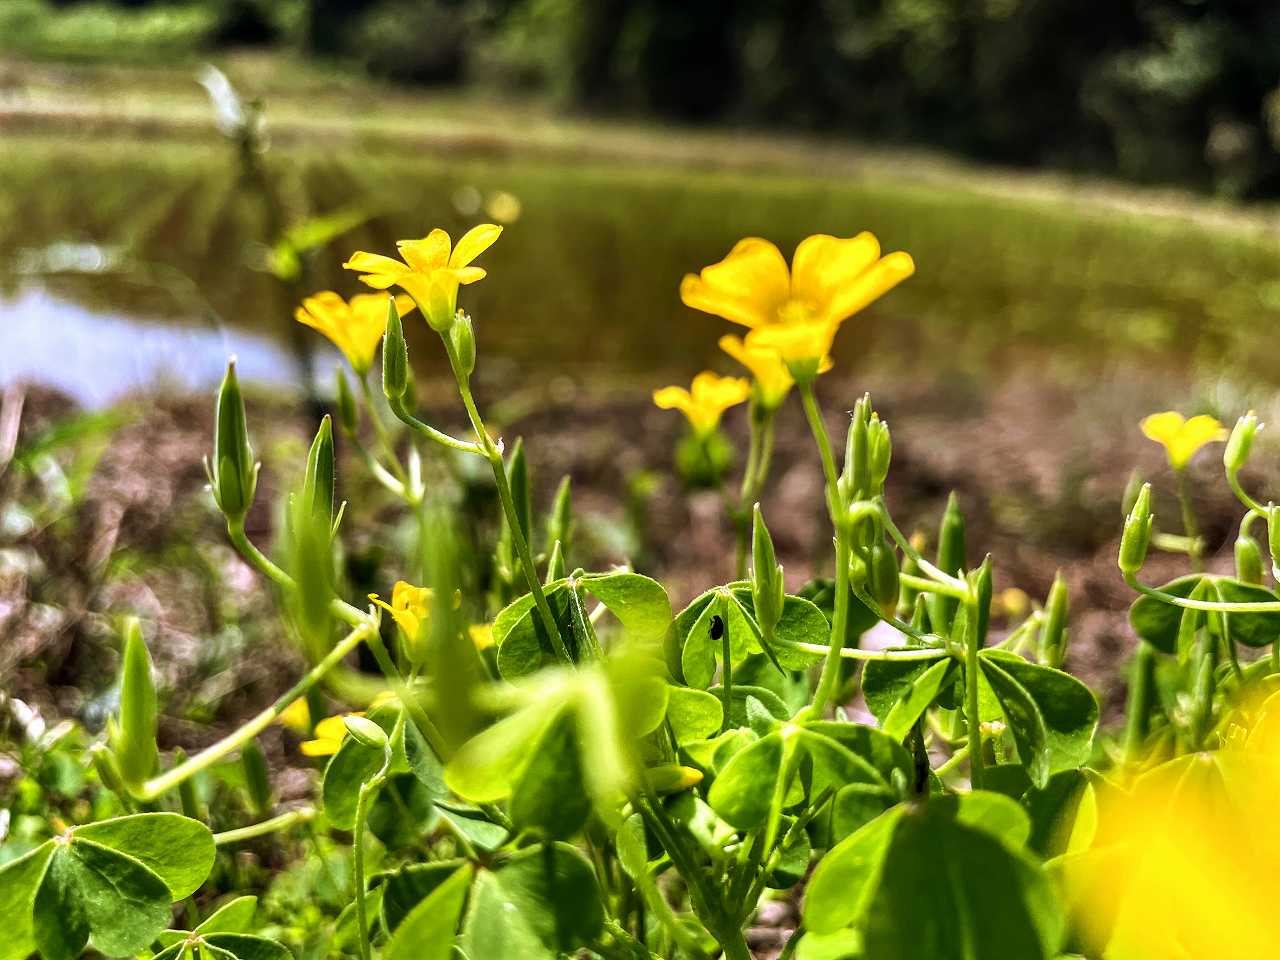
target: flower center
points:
(795, 312)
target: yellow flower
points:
(481, 635)
(355, 326)
(1184, 866)
(773, 379)
(297, 717)
(329, 734)
(830, 280)
(710, 396)
(410, 607)
(432, 269)
(1181, 438)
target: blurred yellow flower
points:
(773, 380)
(482, 635)
(297, 717)
(329, 734)
(355, 326)
(432, 269)
(830, 280)
(709, 397)
(1183, 867)
(1181, 438)
(410, 607)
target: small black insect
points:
(717, 628)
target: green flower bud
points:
(348, 412)
(395, 355)
(233, 474)
(318, 482)
(767, 590)
(135, 741)
(907, 599)
(560, 524)
(366, 732)
(1053, 629)
(980, 582)
(1240, 442)
(879, 453)
(1248, 559)
(463, 338)
(672, 778)
(853, 479)
(883, 582)
(1137, 533)
(104, 762)
(555, 564)
(256, 779)
(951, 558)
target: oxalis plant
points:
(552, 764)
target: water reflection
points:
(585, 282)
(97, 357)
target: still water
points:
(129, 265)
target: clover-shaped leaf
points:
(542, 903)
(638, 602)
(222, 935)
(110, 882)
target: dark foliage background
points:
(1170, 91)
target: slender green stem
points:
(830, 675)
(857, 653)
(929, 585)
(357, 843)
(352, 616)
(518, 539)
(283, 822)
(453, 443)
(1233, 479)
(1209, 606)
(206, 758)
(952, 761)
(929, 569)
(972, 721)
(1195, 547)
(380, 430)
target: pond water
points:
(127, 265)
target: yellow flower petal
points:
(874, 283)
(1182, 439)
(710, 395)
(473, 243)
(297, 716)
(319, 748)
(481, 635)
(823, 264)
(749, 286)
(332, 728)
(429, 253)
(795, 342)
(773, 379)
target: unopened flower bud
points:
(233, 474)
(1053, 629)
(318, 481)
(366, 732)
(672, 778)
(879, 453)
(1240, 442)
(1248, 559)
(883, 581)
(463, 338)
(135, 741)
(767, 592)
(1137, 533)
(395, 355)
